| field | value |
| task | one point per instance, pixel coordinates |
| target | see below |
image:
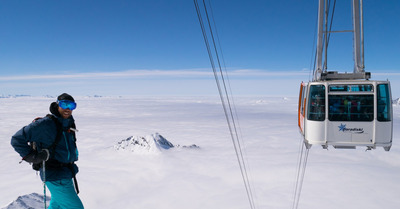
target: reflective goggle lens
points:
(66, 104)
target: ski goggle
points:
(66, 104)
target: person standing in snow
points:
(55, 144)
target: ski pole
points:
(44, 184)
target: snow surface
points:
(207, 177)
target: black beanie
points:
(65, 96)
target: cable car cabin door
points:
(351, 115)
(352, 112)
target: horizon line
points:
(187, 73)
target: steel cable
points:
(226, 105)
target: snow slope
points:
(208, 177)
(30, 201)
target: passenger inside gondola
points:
(351, 108)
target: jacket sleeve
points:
(20, 141)
(42, 132)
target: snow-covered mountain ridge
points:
(154, 143)
(29, 201)
(396, 101)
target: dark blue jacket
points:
(44, 132)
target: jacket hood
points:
(54, 109)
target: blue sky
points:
(156, 47)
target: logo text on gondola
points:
(343, 128)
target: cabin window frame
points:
(384, 103)
(351, 102)
(316, 103)
(351, 107)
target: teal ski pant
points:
(63, 195)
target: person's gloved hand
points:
(37, 157)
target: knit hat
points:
(65, 96)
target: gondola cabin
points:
(346, 114)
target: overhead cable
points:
(224, 96)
